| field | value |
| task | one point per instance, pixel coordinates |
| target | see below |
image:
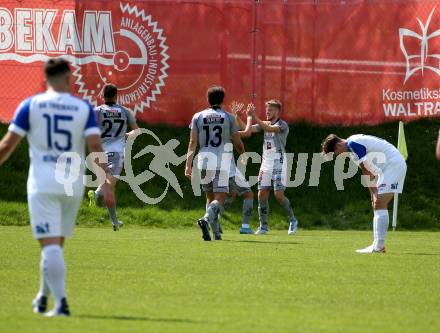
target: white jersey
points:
(274, 146)
(114, 120)
(362, 147)
(55, 123)
(214, 128)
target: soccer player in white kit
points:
(272, 171)
(238, 185)
(113, 120)
(54, 122)
(387, 176)
(214, 130)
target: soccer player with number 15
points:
(56, 124)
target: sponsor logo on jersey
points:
(42, 228)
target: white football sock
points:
(380, 227)
(44, 287)
(55, 271)
(374, 229)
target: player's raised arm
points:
(238, 144)
(247, 132)
(266, 126)
(236, 109)
(249, 129)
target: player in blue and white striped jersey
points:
(386, 168)
(55, 123)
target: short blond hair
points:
(275, 103)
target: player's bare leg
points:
(53, 278)
(380, 222)
(95, 196)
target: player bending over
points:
(272, 173)
(213, 129)
(113, 120)
(54, 122)
(387, 176)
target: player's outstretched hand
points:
(109, 195)
(188, 173)
(236, 108)
(250, 110)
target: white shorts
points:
(393, 178)
(275, 178)
(239, 184)
(53, 215)
(216, 181)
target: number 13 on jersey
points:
(216, 133)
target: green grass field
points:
(168, 280)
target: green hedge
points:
(316, 207)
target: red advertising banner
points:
(329, 62)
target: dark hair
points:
(55, 67)
(329, 143)
(275, 103)
(215, 95)
(110, 91)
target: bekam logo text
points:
(127, 45)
